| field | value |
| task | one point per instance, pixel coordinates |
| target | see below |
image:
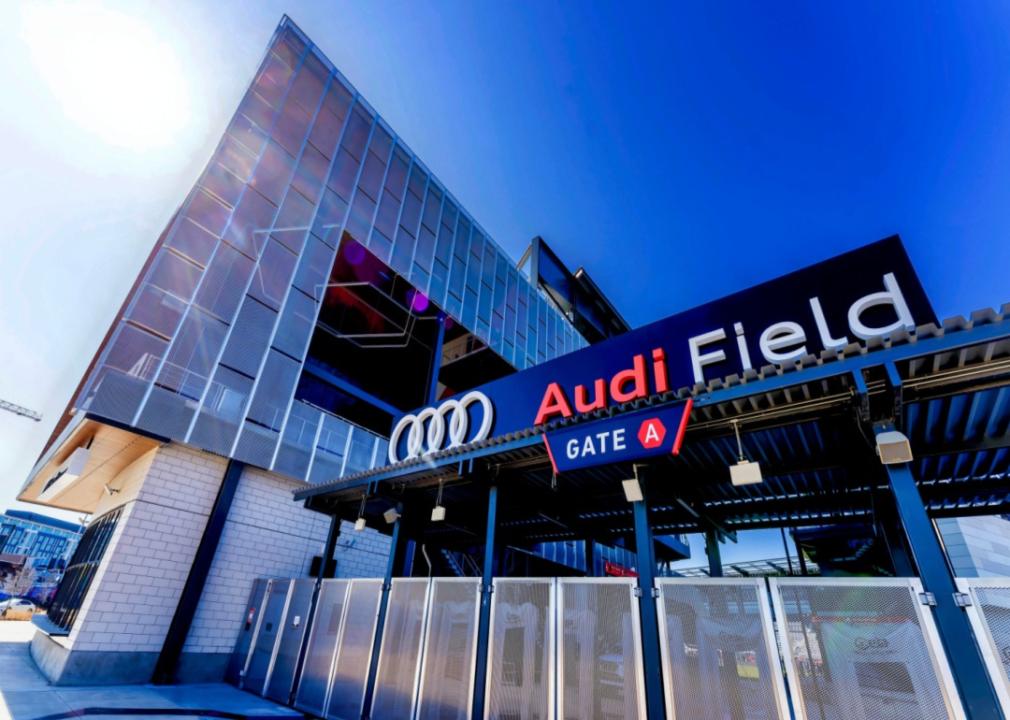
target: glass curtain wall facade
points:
(213, 342)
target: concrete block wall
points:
(266, 534)
(361, 554)
(125, 616)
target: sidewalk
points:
(26, 695)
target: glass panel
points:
(291, 127)
(223, 409)
(173, 274)
(314, 268)
(208, 212)
(599, 652)
(273, 173)
(330, 449)
(192, 241)
(307, 88)
(357, 131)
(273, 274)
(520, 662)
(249, 338)
(296, 324)
(345, 169)
(716, 652)
(311, 173)
(225, 283)
(156, 310)
(354, 656)
(283, 675)
(191, 359)
(251, 223)
(322, 645)
(449, 647)
(859, 652)
(332, 210)
(266, 639)
(296, 446)
(395, 681)
(360, 455)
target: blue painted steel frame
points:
(713, 553)
(380, 623)
(651, 658)
(965, 659)
(484, 626)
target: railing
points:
(573, 646)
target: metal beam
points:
(185, 610)
(651, 658)
(395, 551)
(712, 551)
(484, 625)
(966, 663)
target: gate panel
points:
(520, 676)
(719, 653)
(989, 614)
(250, 621)
(862, 649)
(264, 646)
(449, 650)
(322, 647)
(400, 656)
(290, 642)
(599, 662)
(347, 689)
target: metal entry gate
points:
(989, 613)
(862, 649)
(718, 649)
(571, 648)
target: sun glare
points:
(111, 74)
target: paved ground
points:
(25, 694)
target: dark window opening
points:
(81, 570)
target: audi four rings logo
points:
(426, 431)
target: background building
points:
(34, 551)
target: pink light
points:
(419, 302)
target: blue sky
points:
(680, 151)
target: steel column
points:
(651, 658)
(395, 553)
(588, 552)
(966, 663)
(712, 551)
(484, 626)
(436, 360)
(324, 561)
(167, 665)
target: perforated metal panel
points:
(520, 675)
(354, 652)
(989, 614)
(247, 631)
(282, 676)
(862, 649)
(400, 656)
(599, 671)
(321, 650)
(265, 645)
(449, 650)
(718, 647)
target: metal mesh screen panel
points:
(448, 650)
(354, 655)
(266, 638)
(599, 654)
(315, 678)
(283, 675)
(859, 652)
(715, 649)
(519, 666)
(252, 610)
(395, 682)
(993, 603)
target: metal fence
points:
(571, 648)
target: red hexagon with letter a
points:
(651, 433)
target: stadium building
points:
(339, 449)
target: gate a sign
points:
(625, 438)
